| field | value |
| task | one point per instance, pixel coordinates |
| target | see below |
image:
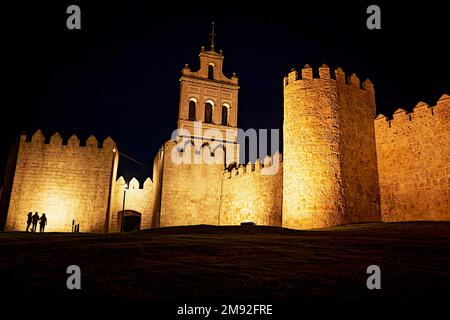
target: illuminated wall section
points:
(330, 169)
(138, 199)
(66, 182)
(413, 151)
(190, 189)
(253, 193)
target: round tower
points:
(330, 172)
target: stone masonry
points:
(413, 151)
(341, 165)
(330, 170)
(66, 182)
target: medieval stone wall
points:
(137, 198)
(191, 184)
(66, 182)
(340, 166)
(358, 161)
(330, 175)
(158, 166)
(413, 151)
(253, 193)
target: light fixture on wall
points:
(124, 187)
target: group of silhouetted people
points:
(33, 219)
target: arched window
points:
(208, 112)
(224, 115)
(192, 110)
(211, 72)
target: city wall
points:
(68, 182)
(413, 150)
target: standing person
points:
(42, 223)
(35, 220)
(29, 220)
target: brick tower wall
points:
(190, 189)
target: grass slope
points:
(208, 263)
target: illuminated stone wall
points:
(158, 164)
(137, 198)
(357, 149)
(330, 172)
(190, 192)
(340, 166)
(413, 151)
(253, 193)
(66, 182)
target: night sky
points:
(118, 75)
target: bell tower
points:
(209, 102)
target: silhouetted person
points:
(35, 220)
(29, 220)
(42, 223)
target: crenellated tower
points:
(188, 169)
(330, 169)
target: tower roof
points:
(211, 64)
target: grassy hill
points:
(207, 263)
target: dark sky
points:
(119, 74)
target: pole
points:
(123, 210)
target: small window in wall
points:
(208, 112)
(211, 72)
(192, 110)
(224, 115)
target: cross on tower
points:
(213, 37)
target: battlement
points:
(420, 113)
(266, 167)
(307, 73)
(253, 192)
(134, 184)
(38, 138)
